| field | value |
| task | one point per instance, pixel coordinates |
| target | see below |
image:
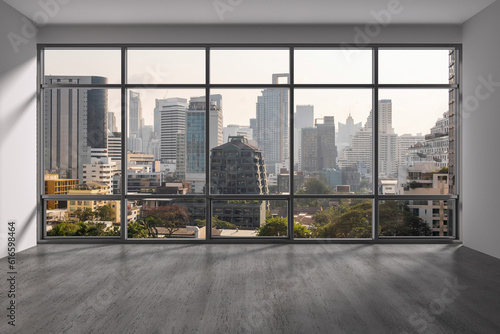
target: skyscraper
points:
(172, 113)
(318, 143)
(75, 120)
(273, 122)
(135, 120)
(303, 118)
(112, 122)
(193, 156)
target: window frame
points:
(376, 197)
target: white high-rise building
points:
(100, 170)
(135, 119)
(172, 120)
(114, 148)
(273, 123)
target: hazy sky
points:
(414, 111)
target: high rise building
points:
(193, 156)
(238, 168)
(172, 113)
(346, 132)
(115, 148)
(135, 119)
(75, 120)
(318, 144)
(273, 122)
(303, 118)
(146, 136)
(112, 126)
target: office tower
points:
(112, 126)
(194, 153)
(75, 120)
(346, 132)
(318, 144)
(135, 120)
(172, 118)
(303, 118)
(272, 123)
(146, 136)
(238, 168)
(100, 170)
(253, 126)
(404, 143)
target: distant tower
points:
(135, 115)
(319, 150)
(172, 113)
(272, 130)
(303, 118)
(346, 132)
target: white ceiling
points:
(246, 11)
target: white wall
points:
(481, 132)
(17, 131)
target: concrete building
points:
(405, 142)
(318, 144)
(57, 186)
(272, 129)
(238, 168)
(303, 118)
(135, 118)
(172, 113)
(100, 170)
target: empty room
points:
(237, 166)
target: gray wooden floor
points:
(255, 289)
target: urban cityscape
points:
(82, 156)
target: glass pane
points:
(253, 147)
(82, 218)
(247, 218)
(166, 66)
(95, 66)
(166, 141)
(332, 218)
(81, 138)
(249, 66)
(333, 66)
(414, 141)
(166, 218)
(414, 66)
(332, 141)
(416, 218)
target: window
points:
(206, 142)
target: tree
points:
(315, 186)
(85, 214)
(64, 229)
(396, 219)
(171, 217)
(278, 226)
(136, 230)
(217, 223)
(106, 213)
(344, 222)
